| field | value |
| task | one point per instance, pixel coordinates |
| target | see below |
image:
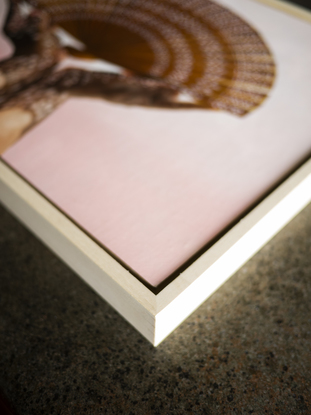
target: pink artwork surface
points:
(154, 185)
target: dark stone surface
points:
(246, 350)
(304, 3)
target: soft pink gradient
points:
(154, 186)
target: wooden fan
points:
(172, 53)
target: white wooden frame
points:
(157, 315)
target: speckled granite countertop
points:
(246, 350)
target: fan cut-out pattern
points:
(164, 54)
(196, 44)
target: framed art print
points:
(155, 145)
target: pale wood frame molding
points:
(155, 316)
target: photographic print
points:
(199, 55)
